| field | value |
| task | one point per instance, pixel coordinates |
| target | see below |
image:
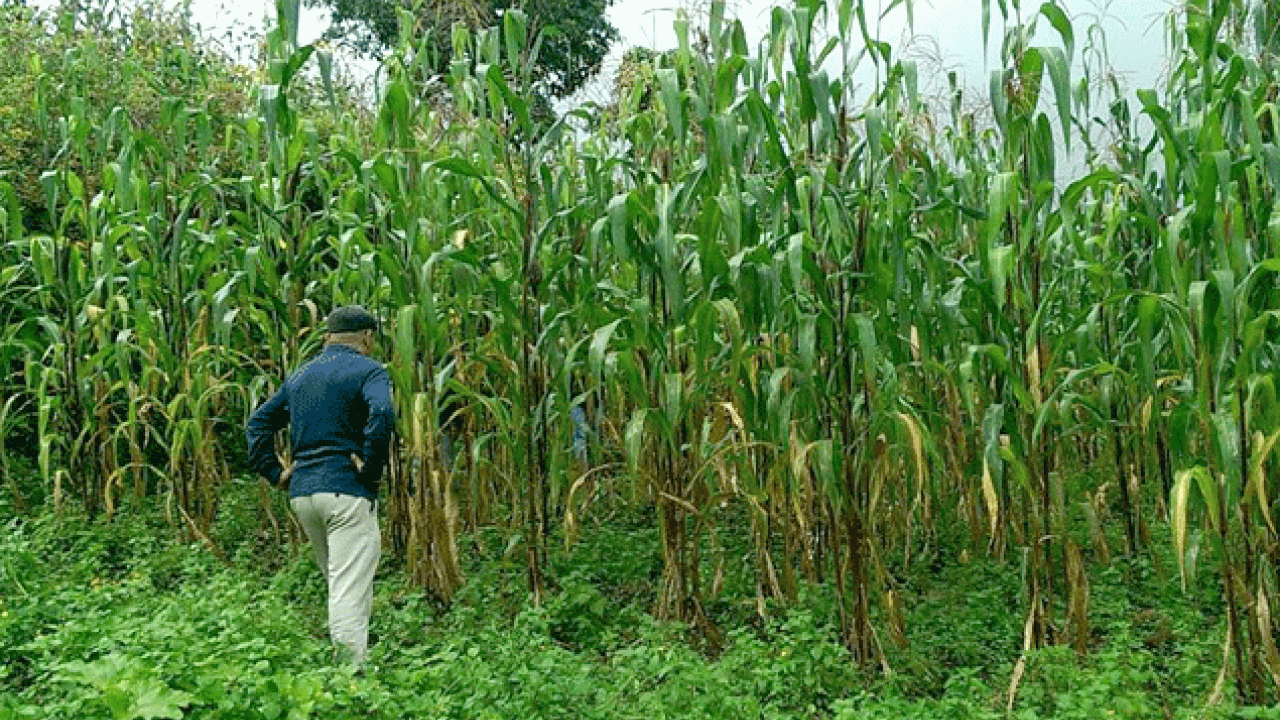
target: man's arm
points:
(271, 416)
(381, 423)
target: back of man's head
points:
(350, 325)
(350, 318)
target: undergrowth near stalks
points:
(121, 620)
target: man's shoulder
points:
(333, 362)
(305, 369)
(354, 363)
(375, 370)
(364, 362)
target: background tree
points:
(576, 34)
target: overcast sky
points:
(947, 33)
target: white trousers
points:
(344, 533)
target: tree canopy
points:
(576, 33)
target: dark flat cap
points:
(350, 318)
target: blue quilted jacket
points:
(337, 405)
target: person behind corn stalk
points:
(341, 417)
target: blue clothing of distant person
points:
(580, 432)
(339, 410)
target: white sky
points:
(1134, 31)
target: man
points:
(341, 417)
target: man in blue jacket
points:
(339, 409)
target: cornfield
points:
(845, 325)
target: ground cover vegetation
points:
(756, 391)
(123, 620)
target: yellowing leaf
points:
(917, 453)
(1270, 657)
(989, 494)
(1181, 495)
(1262, 447)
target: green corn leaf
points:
(1060, 22)
(727, 77)
(515, 31)
(296, 60)
(1001, 198)
(1001, 259)
(1059, 66)
(464, 167)
(1204, 302)
(1098, 181)
(992, 426)
(986, 25)
(1227, 441)
(287, 14)
(599, 345)
(1031, 75)
(517, 104)
(634, 438)
(672, 103)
